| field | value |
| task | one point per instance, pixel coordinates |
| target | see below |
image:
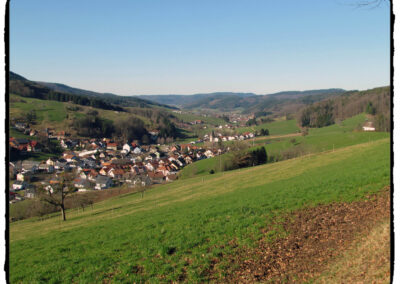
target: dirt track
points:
(317, 236)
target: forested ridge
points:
(375, 102)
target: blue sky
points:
(133, 47)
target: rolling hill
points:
(187, 100)
(43, 90)
(246, 102)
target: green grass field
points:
(318, 140)
(18, 134)
(275, 128)
(190, 117)
(203, 167)
(176, 231)
(51, 111)
(56, 114)
(326, 138)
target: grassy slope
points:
(203, 167)
(54, 113)
(275, 128)
(177, 229)
(51, 111)
(327, 138)
(17, 134)
(189, 117)
(318, 140)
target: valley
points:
(199, 195)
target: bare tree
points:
(57, 194)
(370, 4)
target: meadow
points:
(318, 140)
(51, 111)
(332, 137)
(278, 127)
(178, 230)
(190, 117)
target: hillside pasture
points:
(51, 111)
(278, 127)
(190, 117)
(319, 140)
(60, 115)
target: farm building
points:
(369, 126)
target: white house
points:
(19, 185)
(368, 126)
(47, 168)
(30, 166)
(30, 192)
(142, 181)
(209, 153)
(127, 147)
(51, 161)
(87, 153)
(103, 182)
(82, 184)
(149, 167)
(21, 176)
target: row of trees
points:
(264, 132)
(168, 129)
(245, 158)
(126, 129)
(318, 115)
(251, 122)
(129, 129)
(93, 126)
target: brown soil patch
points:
(317, 236)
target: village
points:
(100, 164)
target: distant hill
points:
(187, 100)
(112, 98)
(246, 102)
(60, 92)
(290, 101)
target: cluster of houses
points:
(240, 119)
(99, 164)
(197, 121)
(104, 163)
(222, 138)
(47, 132)
(24, 145)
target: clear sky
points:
(131, 47)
